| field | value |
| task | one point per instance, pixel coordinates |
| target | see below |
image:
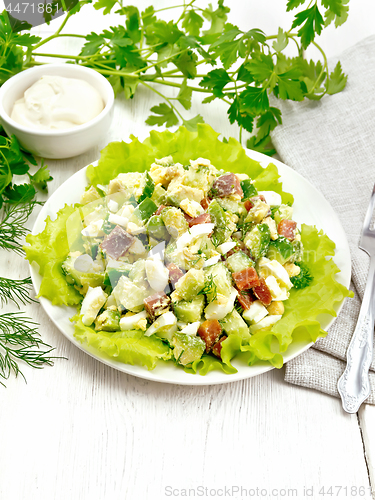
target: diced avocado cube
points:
(190, 284)
(189, 311)
(174, 221)
(238, 262)
(217, 280)
(75, 277)
(156, 228)
(257, 240)
(159, 196)
(187, 348)
(108, 321)
(233, 323)
(248, 189)
(282, 212)
(221, 231)
(281, 250)
(232, 206)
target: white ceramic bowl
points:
(57, 143)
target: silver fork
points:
(354, 383)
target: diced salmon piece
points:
(157, 304)
(205, 203)
(262, 292)
(218, 346)
(245, 279)
(209, 331)
(245, 299)
(287, 228)
(201, 219)
(117, 242)
(226, 185)
(175, 273)
(158, 211)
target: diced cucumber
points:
(187, 348)
(232, 206)
(238, 262)
(156, 228)
(191, 311)
(190, 284)
(248, 189)
(221, 232)
(257, 240)
(113, 274)
(174, 221)
(143, 211)
(148, 188)
(234, 324)
(107, 226)
(108, 321)
(138, 273)
(75, 277)
(282, 212)
(207, 246)
(281, 249)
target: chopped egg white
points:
(157, 274)
(84, 263)
(130, 322)
(113, 206)
(220, 307)
(213, 260)
(272, 198)
(165, 319)
(273, 267)
(193, 233)
(94, 229)
(92, 303)
(226, 247)
(277, 292)
(191, 328)
(157, 251)
(118, 220)
(255, 313)
(266, 322)
(133, 228)
(191, 207)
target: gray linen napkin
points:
(332, 144)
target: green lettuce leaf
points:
(184, 146)
(130, 347)
(50, 248)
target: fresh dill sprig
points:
(19, 341)
(17, 291)
(12, 225)
(209, 288)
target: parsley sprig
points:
(244, 67)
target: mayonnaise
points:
(56, 102)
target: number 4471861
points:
(347, 491)
(31, 7)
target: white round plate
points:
(310, 207)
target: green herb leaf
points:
(163, 114)
(41, 177)
(192, 22)
(312, 24)
(336, 81)
(216, 80)
(184, 95)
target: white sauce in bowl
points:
(56, 102)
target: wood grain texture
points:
(81, 430)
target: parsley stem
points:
(55, 35)
(164, 97)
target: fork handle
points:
(354, 383)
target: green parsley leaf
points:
(193, 123)
(312, 23)
(267, 122)
(337, 10)
(216, 80)
(184, 95)
(281, 41)
(263, 146)
(254, 100)
(19, 193)
(41, 177)
(336, 81)
(186, 63)
(293, 4)
(192, 22)
(163, 114)
(260, 67)
(107, 5)
(290, 87)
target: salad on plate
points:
(191, 257)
